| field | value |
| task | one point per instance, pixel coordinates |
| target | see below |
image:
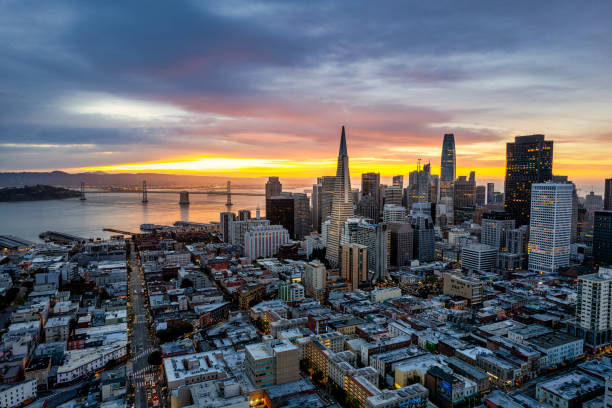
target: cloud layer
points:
(111, 83)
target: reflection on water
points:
(122, 211)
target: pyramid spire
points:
(343, 144)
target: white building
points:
(478, 257)
(264, 241)
(550, 226)
(194, 368)
(394, 213)
(290, 292)
(80, 363)
(594, 300)
(13, 395)
(314, 279)
(382, 294)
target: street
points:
(144, 376)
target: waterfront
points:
(122, 211)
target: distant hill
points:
(35, 193)
(60, 178)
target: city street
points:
(142, 374)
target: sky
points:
(250, 88)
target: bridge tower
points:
(184, 198)
(228, 203)
(144, 192)
(83, 191)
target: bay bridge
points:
(183, 194)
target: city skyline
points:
(264, 89)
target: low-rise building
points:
(413, 396)
(463, 286)
(57, 328)
(80, 363)
(17, 394)
(272, 362)
(569, 390)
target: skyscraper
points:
(481, 196)
(370, 183)
(608, 195)
(448, 166)
(495, 227)
(602, 237)
(225, 225)
(398, 181)
(342, 204)
(464, 192)
(301, 212)
(325, 196)
(282, 212)
(529, 160)
(273, 188)
(401, 243)
(490, 193)
(550, 226)
(354, 264)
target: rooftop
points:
(571, 385)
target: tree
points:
(155, 358)
(186, 283)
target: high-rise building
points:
(315, 277)
(424, 237)
(273, 188)
(602, 237)
(237, 229)
(354, 263)
(448, 166)
(369, 184)
(608, 195)
(595, 300)
(281, 211)
(394, 213)
(264, 241)
(368, 208)
(225, 224)
(244, 215)
(419, 185)
(301, 212)
(393, 195)
(401, 243)
(464, 192)
(550, 226)
(481, 196)
(494, 229)
(325, 196)
(434, 188)
(342, 205)
(398, 181)
(529, 160)
(376, 238)
(478, 258)
(490, 193)
(314, 204)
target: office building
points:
(602, 237)
(368, 208)
(401, 242)
(342, 205)
(495, 227)
(394, 213)
(481, 196)
(272, 362)
(237, 230)
(370, 183)
(273, 188)
(393, 195)
(281, 211)
(490, 193)
(354, 264)
(464, 192)
(550, 226)
(376, 238)
(608, 195)
(264, 241)
(478, 258)
(301, 213)
(244, 215)
(434, 188)
(315, 277)
(463, 286)
(448, 166)
(418, 188)
(225, 224)
(398, 181)
(424, 237)
(529, 160)
(322, 197)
